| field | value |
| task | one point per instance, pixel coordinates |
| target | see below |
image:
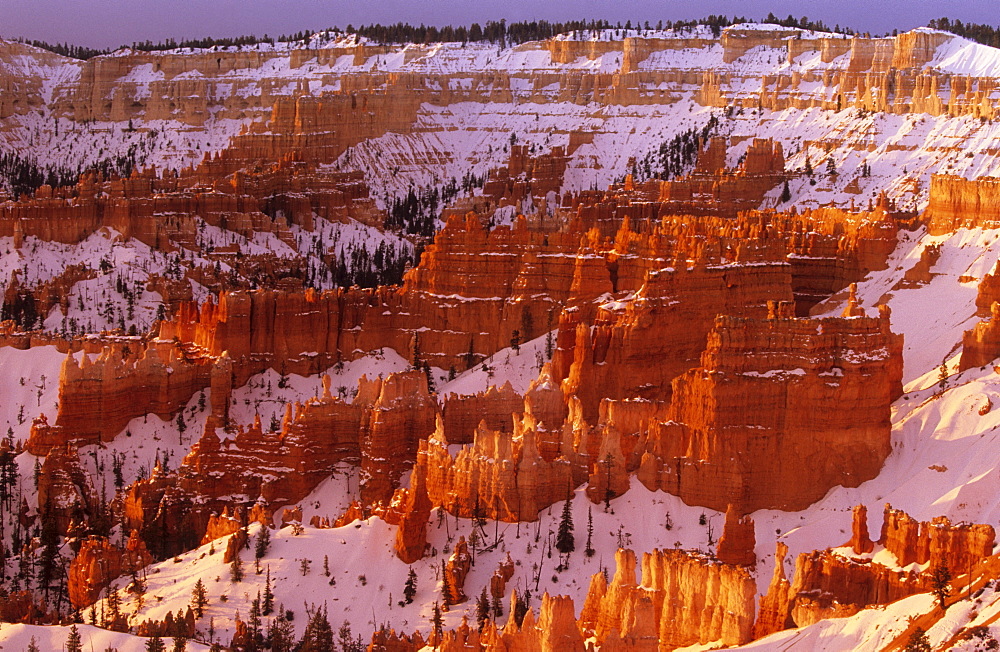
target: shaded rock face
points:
(98, 563)
(761, 383)
(65, 492)
(981, 344)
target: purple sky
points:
(110, 23)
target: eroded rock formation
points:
(717, 450)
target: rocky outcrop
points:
(500, 577)
(956, 202)
(860, 542)
(774, 613)
(66, 494)
(659, 608)
(98, 563)
(713, 190)
(402, 414)
(411, 536)
(455, 572)
(500, 476)
(244, 466)
(736, 545)
(497, 407)
(713, 451)
(841, 582)
(555, 629)
(981, 344)
(668, 320)
(935, 543)
(97, 398)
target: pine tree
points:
(236, 569)
(608, 492)
(318, 636)
(445, 586)
(786, 193)
(32, 645)
(410, 588)
(281, 633)
(199, 598)
(268, 605)
(113, 603)
(263, 541)
(180, 644)
(254, 631)
(437, 624)
(155, 644)
(918, 641)
(73, 641)
(520, 608)
(50, 551)
(589, 549)
(565, 542)
(941, 583)
(482, 609)
(497, 607)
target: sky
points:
(111, 23)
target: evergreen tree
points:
(482, 609)
(263, 541)
(437, 624)
(254, 631)
(347, 641)
(941, 583)
(199, 598)
(520, 608)
(608, 492)
(497, 607)
(236, 569)
(318, 635)
(155, 644)
(113, 604)
(589, 549)
(180, 644)
(32, 645)
(267, 606)
(470, 357)
(445, 586)
(918, 641)
(410, 588)
(73, 641)
(565, 542)
(786, 193)
(50, 551)
(281, 633)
